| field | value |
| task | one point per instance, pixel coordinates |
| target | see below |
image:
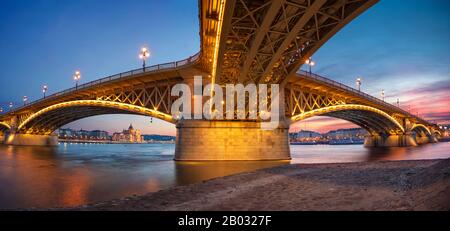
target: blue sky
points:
(399, 46)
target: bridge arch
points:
(372, 119)
(47, 120)
(4, 127)
(421, 128)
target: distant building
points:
(99, 135)
(67, 133)
(128, 136)
(305, 136)
(82, 134)
(351, 133)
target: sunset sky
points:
(399, 46)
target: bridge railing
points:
(149, 69)
(357, 92)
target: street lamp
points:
(1, 110)
(25, 99)
(310, 63)
(77, 77)
(382, 94)
(10, 105)
(398, 102)
(358, 83)
(44, 89)
(144, 54)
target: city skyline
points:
(114, 130)
(380, 46)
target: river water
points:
(75, 174)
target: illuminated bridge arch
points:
(421, 129)
(53, 117)
(4, 127)
(373, 120)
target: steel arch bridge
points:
(242, 41)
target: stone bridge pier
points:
(31, 140)
(383, 140)
(422, 138)
(14, 137)
(414, 135)
(206, 140)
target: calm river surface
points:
(75, 174)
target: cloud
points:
(439, 86)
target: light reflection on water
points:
(74, 174)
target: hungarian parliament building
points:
(128, 136)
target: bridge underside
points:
(370, 121)
(48, 123)
(265, 41)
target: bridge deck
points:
(169, 72)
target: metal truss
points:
(304, 103)
(300, 100)
(151, 100)
(155, 96)
(372, 119)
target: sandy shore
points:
(397, 185)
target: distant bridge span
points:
(242, 41)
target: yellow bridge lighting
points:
(5, 124)
(99, 103)
(322, 111)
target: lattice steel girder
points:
(302, 100)
(267, 41)
(48, 119)
(156, 97)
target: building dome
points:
(131, 127)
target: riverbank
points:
(387, 185)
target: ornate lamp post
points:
(382, 94)
(144, 55)
(44, 89)
(310, 63)
(358, 83)
(10, 106)
(25, 99)
(77, 77)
